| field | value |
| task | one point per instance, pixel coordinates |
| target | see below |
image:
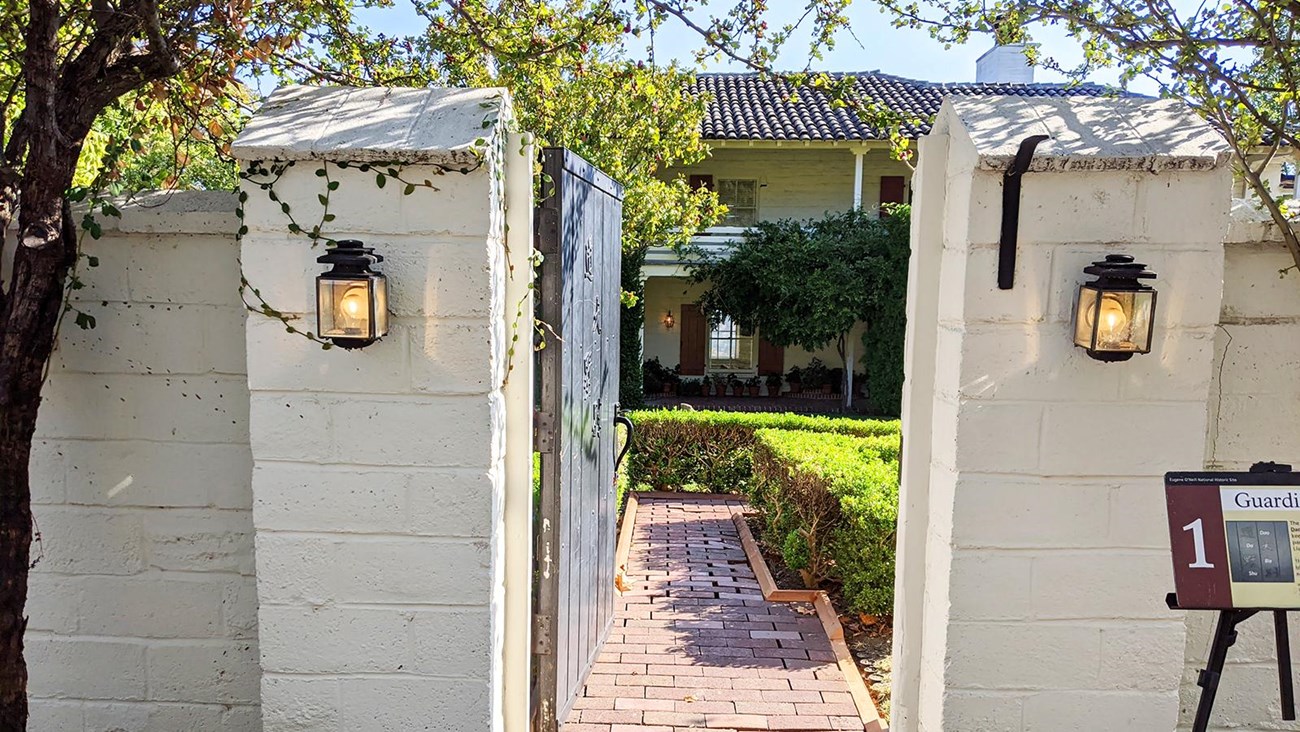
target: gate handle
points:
(620, 418)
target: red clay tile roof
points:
(748, 107)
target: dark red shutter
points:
(701, 181)
(893, 189)
(694, 337)
(771, 359)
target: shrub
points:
(830, 503)
(656, 375)
(713, 451)
(883, 341)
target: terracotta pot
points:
(795, 387)
(826, 388)
(753, 391)
(669, 389)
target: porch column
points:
(1033, 548)
(857, 178)
(385, 479)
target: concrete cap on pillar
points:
(436, 126)
(1085, 133)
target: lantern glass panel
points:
(1114, 321)
(344, 308)
(380, 286)
(1085, 316)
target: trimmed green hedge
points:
(712, 452)
(830, 502)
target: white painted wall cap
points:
(171, 212)
(438, 126)
(1086, 133)
(1253, 225)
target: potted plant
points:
(652, 376)
(794, 377)
(753, 385)
(706, 386)
(774, 385)
(733, 384)
(835, 380)
(816, 376)
(691, 387)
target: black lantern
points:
(1114, 313)
(351, 300)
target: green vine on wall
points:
(266, 175)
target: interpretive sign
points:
(1235, 539)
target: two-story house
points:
(773, 159)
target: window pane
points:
(741, 199)
(728, 348)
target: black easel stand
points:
(1225, 635)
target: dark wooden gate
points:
(579, 224)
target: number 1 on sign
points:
(1198, 538)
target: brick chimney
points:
(1004, 65)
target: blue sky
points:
(875, 45)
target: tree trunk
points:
(61, 100)
(15, 543)
(27, 329)
(848, 374)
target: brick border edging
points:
(862, 699)
(624, 547)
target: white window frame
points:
(721, 185)
(731, 365)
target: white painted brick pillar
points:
(380, 495)
(1033, 543)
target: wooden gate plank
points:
(581, 280)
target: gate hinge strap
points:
(543, 432)
(542, 645)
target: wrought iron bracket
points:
(620, 417)
(1011, 210)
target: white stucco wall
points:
(1255, 415)
(142, 604)
(380, 474)
(1033, 585)
(799, 182)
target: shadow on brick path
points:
(695, 645)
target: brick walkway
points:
(695, 645)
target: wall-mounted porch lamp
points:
(1114, 313)
(351, 300)
(669, 321)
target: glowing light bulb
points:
(354, 309)
(1114, 321)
